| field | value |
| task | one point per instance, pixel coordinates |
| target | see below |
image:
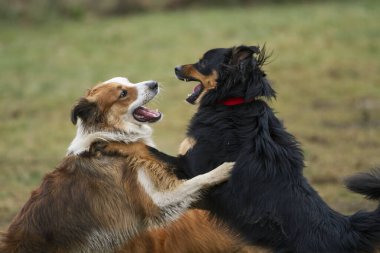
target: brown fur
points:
(194, 232)
(159, 172)
(53, 219)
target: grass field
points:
(325, 68)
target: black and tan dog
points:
(267, 199)
(111, 185)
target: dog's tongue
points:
(197, 89)
(144, 114)
(196, 92)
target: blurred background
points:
(325, 68)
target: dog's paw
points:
(220, 173)
(98, 147)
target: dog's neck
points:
(235, 101)
(129, 133)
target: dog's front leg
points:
(174, 202)
(177, 164)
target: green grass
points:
(325, 68)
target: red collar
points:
(234, 101)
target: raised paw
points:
(98, 148)
(220, 173)
(106, 148)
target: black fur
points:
(366, 183)
(87, 111)
(267, 199)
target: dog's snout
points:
(177, 69)
(153, 85)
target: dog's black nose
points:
(153, 85)
(177, 69)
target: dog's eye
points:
(202, 63)
(123, 93)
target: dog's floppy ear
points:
(84, 110)
(242, 53)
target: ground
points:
(325, 68)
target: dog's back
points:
(76, 207)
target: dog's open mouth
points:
(197, 91)
(192, 97)
(143, 114)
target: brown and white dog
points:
(110, 186)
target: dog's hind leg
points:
(174, 202)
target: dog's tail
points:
(367, 184)
(366, 224)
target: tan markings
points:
(209, 82)
(187, 144)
